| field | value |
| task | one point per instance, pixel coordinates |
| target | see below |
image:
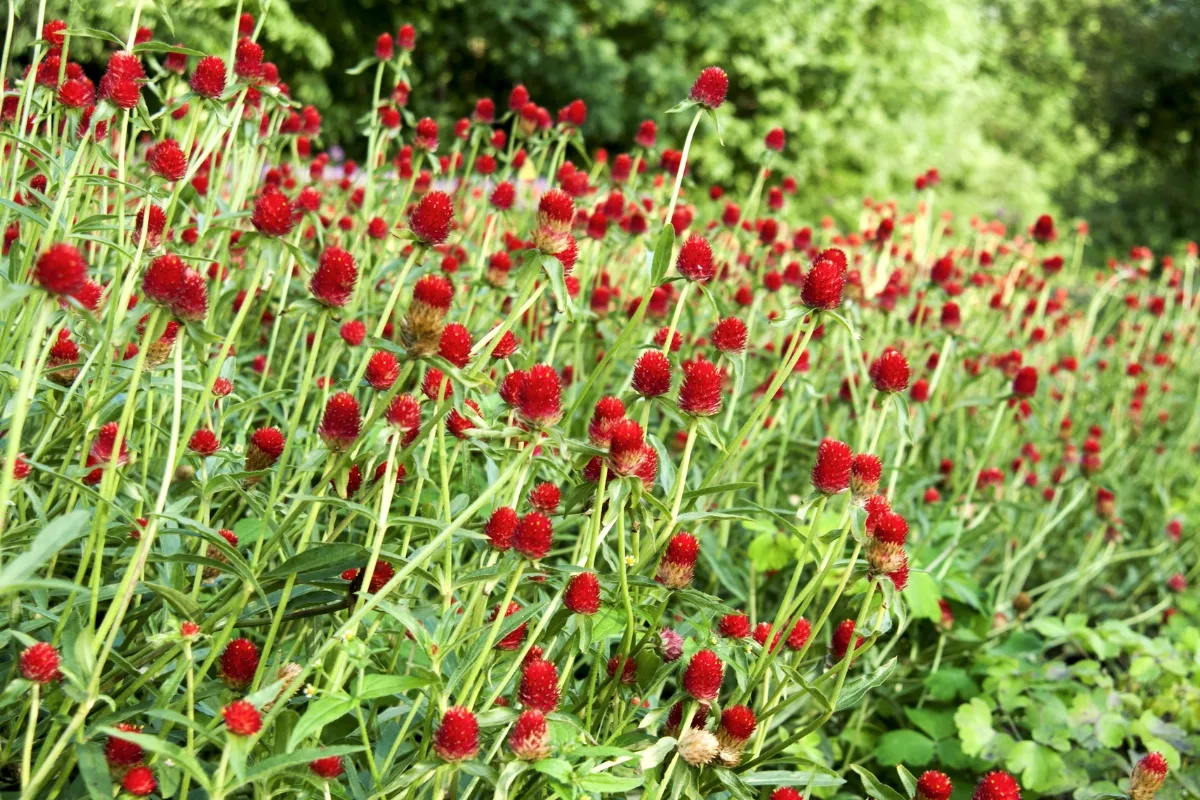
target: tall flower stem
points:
(687, 146)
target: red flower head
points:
(786, 793)
(1043, 229)
(513, 640)
(825, 281)
(406, 37)
(703, 675)
(534, 535)
(503, 196)
(647, 134)
(265, 448)
(248, 59)
(208, 79)
(540, 397)
(831, 473)
(238, 663)
(652, 374)
(529, 739)
(775, 139)
(382, 370)
(934, 786)
(1025, 383)
(734, 626)
(163, 280)
(153, 227)
(518, 97)
(436, 386)
(242, 718)
(77, 93)
(583, 593)
(710, 87)
(695, 261)
(426, 135)
(122, 81)
(700, 392)
(457, 738)
(729, 335)
(60, 270)
(335, 277)
(799, 635)
(539, 686)
(385, 49)
(430, 219)
(167, 160)
(39, 663)
(865, 472)
(890, 371)
(330, 767)
(737, 726)
(341, 423)
(679, 562)
(545, 497)
(500, 528)
(609, 411)
(405, 414)
(841, 639)
(204, 442)
(139, 782)
(885, 552)
(627, 446)
(1148, 776)
(556, 213)
(121, 754)
(274, 214)
(455, 345)
(102, 452)
(997, 785)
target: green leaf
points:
(817, 777)
(274, 764)
(321, 558)
(153, 744)
(94, 771)
(512, 770)
(874, 787)
(387, 685)
(908, 779)
(557, 768)
(662, 255)
(49, 541)
(974, 720)
(319, 714)
(898, 747)
(938, 724)
(1042, 770)
(855, 690)
(185, 606)
(949, 683)
(604, 783)
(653, 755)
(922, 596)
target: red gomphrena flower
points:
(885, 552)
(700, 392)
(208, 79)
(997, 785)
(729, 336)
(889, 372)
(162, 282)
(510, 387)
(39, 663)
(679, 561)
(101, 453)
(831, 472)
(786, 793)
(501, 527)
(425, 137)
(1148, 776)
(762, 630)
(139, 782)
(695, 261)
(799, 634)
(354, 332)
(545, 497)
(628, 669)
(274, 214)
(335, 277)
(191, 298)
(865, 472)
(556, 213)
(430, 220)
(61, 270)
(122, 81)
(406, 37)
(382, 370)
(455, 345)
(539, 686)
(405, 413)
(265, 448)
(703, 675)
(152, 227)
(775, 139)
(238, 663)
(503, 196)
(736, 727)
(513, 640)
(1024, 384)
(710, 87)
(385, 48)
(330, 767)
(825, 281)
(242, 718)
(934, 785)
(534, 535)
(248, 59)
(652, 374)
(582, 594)
(121, 754)
(1043, 229)
(529, 739)
(540, 398)
(842, 635)
(647, 134)
(609, 410)
(436, 385)
(341, 422)
(204, 442)
(77, 93)
(627, 445)
(734, 626)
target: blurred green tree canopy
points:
(1089, 108)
